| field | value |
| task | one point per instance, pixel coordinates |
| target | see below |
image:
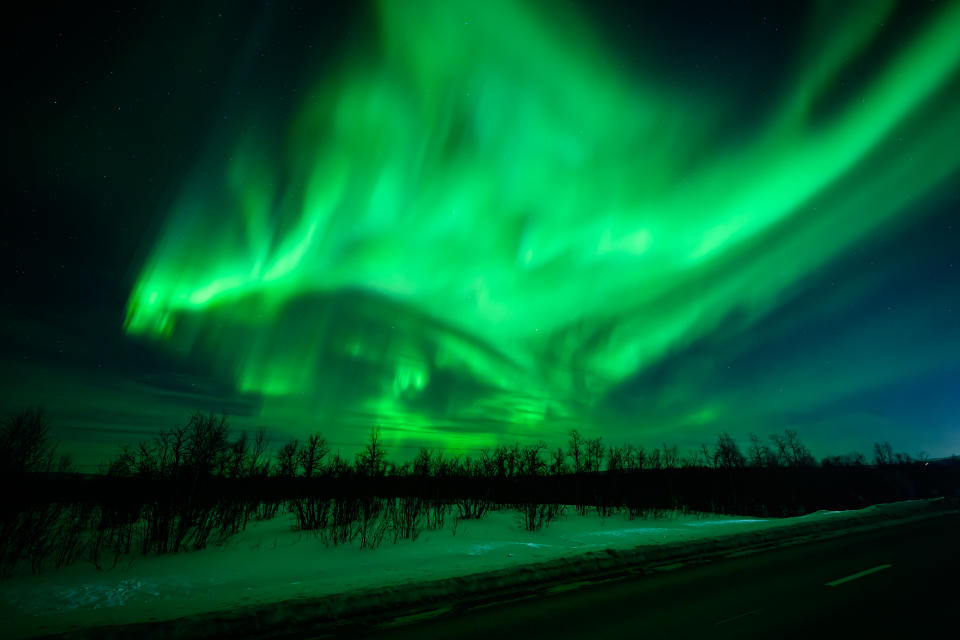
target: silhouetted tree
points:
(530, 461)
(311, 453)
(671, 457)
(653, 459)
(615, 459)
(443, 466)
(726, 453)
(338, 467)
(372, 460)
(171, 447)
(594, 454)
(575, 448)
(499, 461)
(513, 459)
(423, 462)
(287, 459)
(25, 443)
(854, 459)
(780, 455)
(707, 456)
(882, 453)
(903, 458)
(694, 459)
(790, 452)
(760, 455)
(800, 456)
(259, 446)
(206, 444)
(486, 463)
(634, 457)
(239, 454)
(558, 462)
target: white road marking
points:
(560, 588)
(742, 615)
(414, 617)
(879, 567)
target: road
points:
(899, 581)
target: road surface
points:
(899, 581)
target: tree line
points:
(199, 483)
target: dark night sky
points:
(475, 223)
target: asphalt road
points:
(899, 581)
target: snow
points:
(270, 562)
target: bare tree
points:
(653, 459)
(576, 451)
(287, 463)
(671, 456)
(443, 466)
(488, 463)
(206, 444)
(780, 457)
(311, 454)
(499, 461)
(423, 462)
(259, 446)
(513, 459)
(634, 457)
(790, 452)
(339, 466)
(239, 453)
(695, 458)
(530, 461)
(25, 442)
(758, 454)
(727, 454)
(146, 462)
(882, 453)
(594, 454)
(854, 459)
(707, 455)
(171, 448)
(799, 455)
(903, 458)
(372, 460)
(615, 459)
(558, 462)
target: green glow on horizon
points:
(482, 225)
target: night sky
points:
(479, 222)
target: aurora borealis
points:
(474, 222)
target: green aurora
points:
(478, 225)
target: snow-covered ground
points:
(270, 562)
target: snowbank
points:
(272, 575)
